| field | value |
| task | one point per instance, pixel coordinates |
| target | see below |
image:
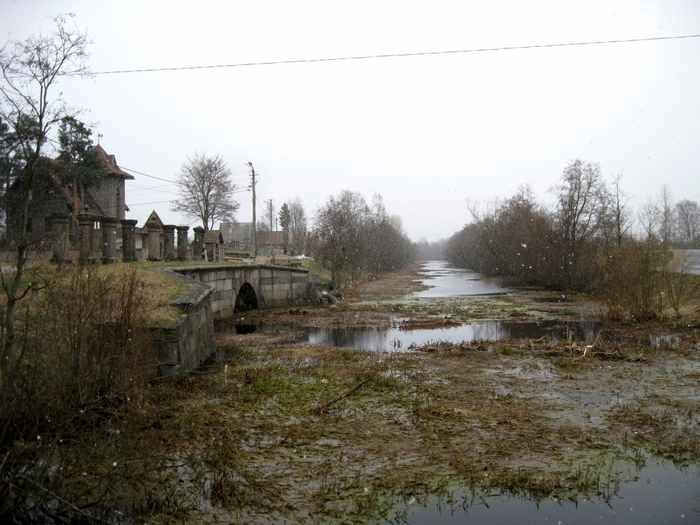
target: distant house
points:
(238, 237)
(270, 243)
(48, 195)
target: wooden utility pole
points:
(255, 245)
(270, 204)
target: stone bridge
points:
(246, 287)
(217, 292)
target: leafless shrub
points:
(80, 364)
(630, 281)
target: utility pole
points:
(270, 205)
(255, 246)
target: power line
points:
(146, 175)
(149, 203)
(397, 55)
(151, 188)
(165, 180)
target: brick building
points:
(108, 199)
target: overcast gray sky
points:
(424, 131)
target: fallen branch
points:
(325, 406)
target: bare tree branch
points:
(206, 190)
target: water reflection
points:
(446, 281)
(660, 493)
(402, 340)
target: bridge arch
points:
(246, 299)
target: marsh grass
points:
(80, 367)
(245, 441)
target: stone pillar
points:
(153, 241)
(86, 223)
(182, 242)
(109, 239)
(60, 224)
(169, 242)
(96, 236)
(129, 240)
(198, 243)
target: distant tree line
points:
(353, 239)
(589, 240)
(430, 251)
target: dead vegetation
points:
(277, 430)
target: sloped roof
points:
(153, 217)
(111, 163)
(267, 238)
(213, 237)
(88, 201)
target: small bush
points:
(79, 362)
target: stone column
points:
(109, 239)
(129, 240)
(153, 241)
(86, 223)
(198, 243)
(60, 224)
(169, 242)
(96, 236)
(182, 242)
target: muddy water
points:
(658, 493)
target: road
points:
(692, 261)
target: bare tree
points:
(582, 204)
(30, 106)
(206, 190)
(620, 214)
(649, 216)
(340, 236)
(297, 226)
(687, 221)
(269, 216)
(666, 226)
(679, 284)
(515, 239)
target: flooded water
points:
(446, 281)
(662, 493)
(402, 340)
(658, 493)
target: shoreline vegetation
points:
(275, 430)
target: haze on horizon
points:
(426, 131)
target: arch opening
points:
(246, 298)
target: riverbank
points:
(277, 431)
(335, 434)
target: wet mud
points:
(348, 435)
